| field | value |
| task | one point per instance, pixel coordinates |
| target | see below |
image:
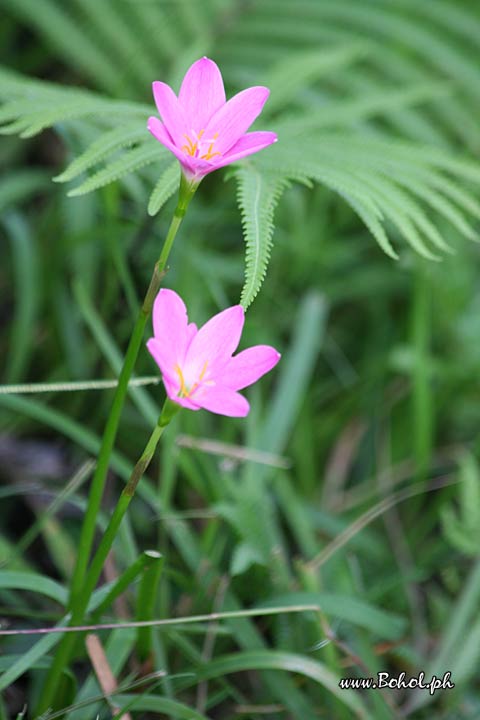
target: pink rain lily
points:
(203, 130)
(197, 365)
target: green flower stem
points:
(82, 599)
(98, 483)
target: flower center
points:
(199, 148)
(186, 390)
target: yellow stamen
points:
(209, 154)
(183, 389)
(204, 370)
(191, 147)
(200, 378)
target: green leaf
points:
(131, 160)
(39, 649)
(62, 31)
(166, 186)
(295, 373)
(350, 609)
(373, 175)
(157, 704)
(33, 582)
(276, 660)
(107, 143)
(462, 527)
(454, 640)
(118, 648)
(26, 273)
(258, 194)
(292, 74)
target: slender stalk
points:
(98, 481)
(82, 599)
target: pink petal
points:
(234, 118)
(159, 132)
(191, 332)
(247, 145)
(170, 323)
(170, 378)
(161, 355)
(198, 168)
(171, 111)
(215, 342)
(194, 168)
(171, 386)
(172, 392)
(221, 400)
(185, 402)
(171, 382)
(248, 366)
(202, 93)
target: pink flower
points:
(197, 365)
(203, 130)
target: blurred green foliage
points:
(367, 502)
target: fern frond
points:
(154, 25)
(164, 189)
(457, 19)
(257, 194)
(369, 105)
(102, 147)
(404, 212)
(40, 106)
(364, 203)
(191, 16)
(348, 87)
(37, 121)
(402, 49)
(293, 74)
(383, 180)
(369, 180)
(435, 190)
(129, 161)
(108, 23)
(55, 23)
(373, 224)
